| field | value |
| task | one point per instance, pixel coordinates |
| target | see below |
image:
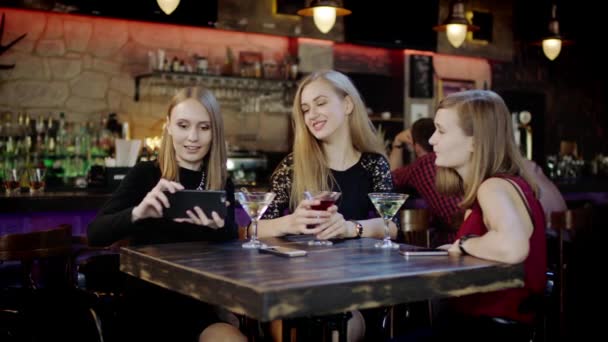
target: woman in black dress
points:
(192, 156)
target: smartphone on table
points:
(283, 251)
(183, 200)
(421, 251)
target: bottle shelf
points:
(182, 79)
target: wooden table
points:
(349, 275)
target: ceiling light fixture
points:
(553, 42)
(456, 24)
(324, 13)
(168, 6)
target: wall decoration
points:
(449, 86)
(419, 111)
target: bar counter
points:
(74, 200)
(26, 212)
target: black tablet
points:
(184, 200)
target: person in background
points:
(420, 176)
(548, 194)
(335, 148)
(476, 155)
(192, 156)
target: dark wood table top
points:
(349, 275)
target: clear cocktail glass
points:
(387, 205)
(255, 204)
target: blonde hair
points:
(310, 167)
(483, 115)
(216, 157)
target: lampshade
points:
(552, 47)
(553, 42)
(324, 13)
(168, 6)
(456, 24)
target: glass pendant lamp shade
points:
(324, 13)
(552, 43)
(456, 25)
(168, 6)
(324, 18)
(552, 47)
(456, 34)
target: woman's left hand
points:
(335, 227)
(453, 248)
(198, 217)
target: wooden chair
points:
(568, 225)
(415, 227)
(33, 303)
(28, 247)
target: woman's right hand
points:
(152, 205)
(304, 216)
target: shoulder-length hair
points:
(483, 115)
(310, 166)
(215, 158)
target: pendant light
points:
(324, 13)
(456, 25)
(168, 6)
(553, 42)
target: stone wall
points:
(85, 66)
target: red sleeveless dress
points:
(508, 303)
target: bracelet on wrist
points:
(358, 229)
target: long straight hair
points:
(215, 158)
(483, 115)
(310, 166)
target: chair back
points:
(571, 220)
(415, 226)
(27, 247)
(34, 245)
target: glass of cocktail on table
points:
(387, 205)
(255, 204)
(326, 199)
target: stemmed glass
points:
(255, 204)
(11, 178)
(327, 199)
(387, 205)
(37, 179)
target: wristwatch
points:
(358, 228)
(462, 240)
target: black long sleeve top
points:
(113, 222)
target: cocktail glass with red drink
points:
(326, 199)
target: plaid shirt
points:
(420, 175)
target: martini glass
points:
(255, 204)
(387, 205)
(327, 199)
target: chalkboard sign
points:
(421, 76)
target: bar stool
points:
(30, 302)
(569, 225)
